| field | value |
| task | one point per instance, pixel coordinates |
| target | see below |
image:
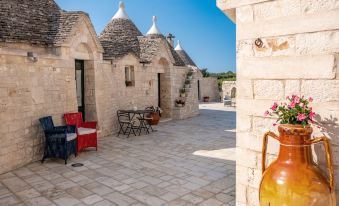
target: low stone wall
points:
(297, 53)
(191, 107)
(209, 87)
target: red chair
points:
(86, 131)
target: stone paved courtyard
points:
(187, 162)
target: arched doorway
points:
(233, 92)
(84, 80)
(164, 87)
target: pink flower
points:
(310, 99)
(292, 105)
(266, 113)
(312, 115)
(301, 117)
(297, 99)
(287, 97)
(274, 106)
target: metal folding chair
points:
(126, 124)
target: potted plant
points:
(182, 92)
(294, 171)
(180, 102)
(190, 75)
(155, 115)
(128, 83)
(206, 98)
(187, 83)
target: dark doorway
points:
(80, 85)
(159, 89)
(233, 92)
(199, 96)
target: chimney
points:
(170, 39)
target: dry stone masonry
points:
(284, 47)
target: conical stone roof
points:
(120, 36)
(38, 22)
(183, 55)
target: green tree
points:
(205, 73)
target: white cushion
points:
(83, 131)
(71, 136)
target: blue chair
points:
(60, 141)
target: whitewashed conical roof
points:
(183, 55)
(154, 30)
(178, 47)
(121, 13)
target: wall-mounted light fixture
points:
(144, 64)
(31, 56)
(259, 43)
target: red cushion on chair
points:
(86, 131)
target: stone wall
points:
(209, 87)
(299, 54)
(28, 91)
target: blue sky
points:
(204, 31)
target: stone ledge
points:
(232, 4)
(289, 25)
(287, 67)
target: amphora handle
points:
(329, 159)
(264, 148)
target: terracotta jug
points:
(294, 179)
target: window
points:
(129, 76)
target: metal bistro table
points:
(141, 116)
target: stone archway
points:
(233, 92)
(83, 52)
(164, 88)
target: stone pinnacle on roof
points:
(121, 13)
(154, 29)
(178, 47)
(183, 55)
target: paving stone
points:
(146, 198)
(15, 184)
(119, 199)
(104, 203)
(28, 194)
(66, 201)
(203, 193)
(98, 188)
(191, 186)
(9, 200)
(38, 201)
(79, 192)
(92, 199)
(211, 202)
(192, 198)
(169, 196)
(177, 190)
(225, 198)
(180, 202)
